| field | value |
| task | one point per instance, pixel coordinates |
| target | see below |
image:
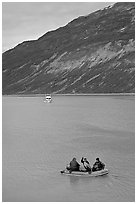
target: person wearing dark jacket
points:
(74, 165)
(98, 165)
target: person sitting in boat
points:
(73, 166)
(86, 164)
(98, 165)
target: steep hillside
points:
(91, 54)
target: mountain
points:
(91, 54)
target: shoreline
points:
(86, 94)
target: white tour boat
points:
(48, 99)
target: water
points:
(39, 139)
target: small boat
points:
(48, 98)
(85, 174)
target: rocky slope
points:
(91, 54)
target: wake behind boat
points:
(85, 174)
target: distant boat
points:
(48, 98)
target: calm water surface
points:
(39, 139)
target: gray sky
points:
(29, 20)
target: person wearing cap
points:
(98, 165)
(86, 164)
(73, 166)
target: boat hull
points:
(86, 174)
(47, 101)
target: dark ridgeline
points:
(91, 54)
